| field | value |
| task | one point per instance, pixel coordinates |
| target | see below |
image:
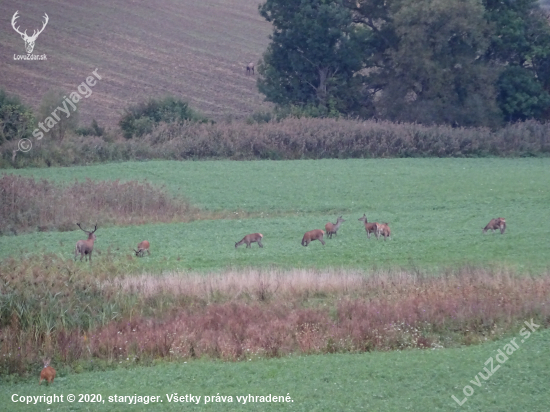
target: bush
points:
(140, 119)
(16, 120)
(93, 130)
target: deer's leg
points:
(260, 243)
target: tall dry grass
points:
(235, 315)
(290, 138)
(27, 204)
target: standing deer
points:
(142, 247)
(250, 68)
(248, 239)
(494, 224)
(312, 235)
(369, 227)
(48, 373)
(85, 247)
(382, 229)
(29, 40)
(331, 229)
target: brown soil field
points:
(196, 50)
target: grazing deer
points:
(250, 68)
(494, 224)
(85, 247)
(331, 229)
(142, 248)
(48, 373)
(29, 40)
(369, 227)
(382, 229)
(248, 239)
(312, 235)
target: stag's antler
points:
(46, 19)
(35, 33)
(15, 17)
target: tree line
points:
(458, 62)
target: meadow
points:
(436, 209)
(195, 278)
(412, 380)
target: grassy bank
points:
(413, 380)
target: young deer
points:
(85, 247)
(142, 248)
(248, 239)
(382, 229)
(331, 229)
(250, 68)
(312, 235)
(369, 227)
(48, 373)
(494, 224)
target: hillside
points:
(196, 50)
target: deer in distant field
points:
(29, 40)
(250, 68)
(248, 239)
(48, 373)
(142, 247)
(312, 235)
(331, 228)
(369, 227)
(85, 247)
(494, 224)
(382, 229)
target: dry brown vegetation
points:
(235, 315)
(28, 204)
(290, 138)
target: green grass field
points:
(436, 209)
(417, 380)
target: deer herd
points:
(86, 247)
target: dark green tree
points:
(314, 53)
(16, 120)
(433, 73)
(520, 42)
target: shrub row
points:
(289, 138)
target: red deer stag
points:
(48, 373)
(250, 68)
(331, 229)
(382, 229)
(494, 224)
(142, 248)
(369, 227)
(312, 235)
(85, 247)
(248, 239)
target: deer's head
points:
(29, 40)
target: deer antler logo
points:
(29, 40)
